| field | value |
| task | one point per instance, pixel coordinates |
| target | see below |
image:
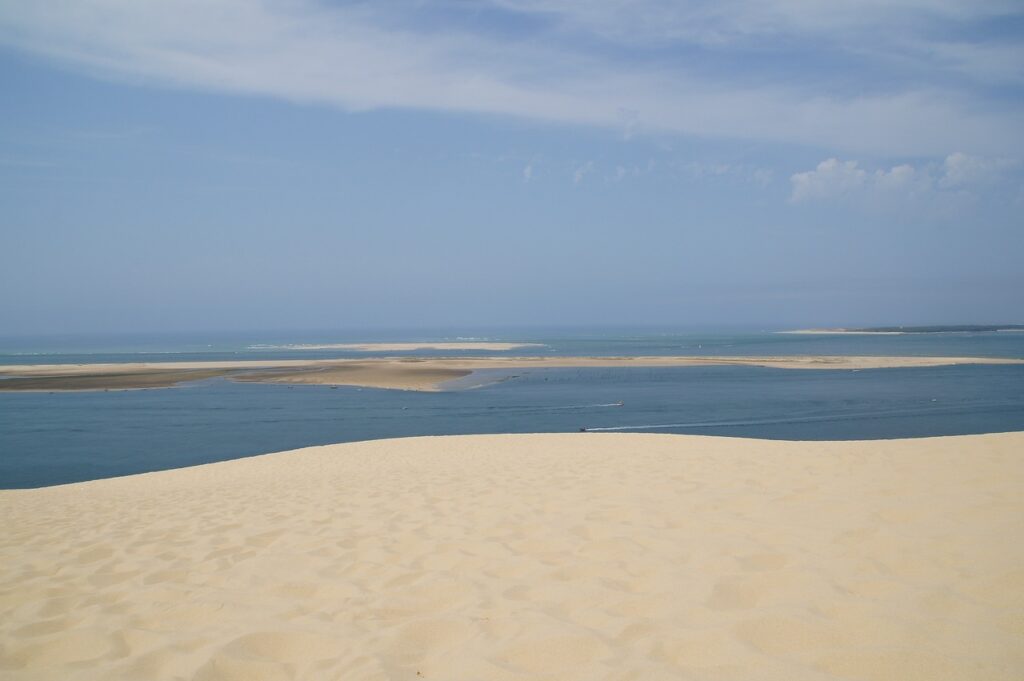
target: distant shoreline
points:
(902, 330)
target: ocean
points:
(55, 438)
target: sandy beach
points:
(405, 373)
(571, 556)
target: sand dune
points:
(406, 373)
(571, 556)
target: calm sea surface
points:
(48, 439)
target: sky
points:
(304, 164)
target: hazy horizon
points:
(412, 333)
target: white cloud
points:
(369, 55)
(834, 179)
(528, 172)
(902, 182)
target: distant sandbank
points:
(516, 557)
(404, 373)
(405, 347)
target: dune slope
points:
(571, 556)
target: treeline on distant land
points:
(942, 329)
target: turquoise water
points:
(55, 438)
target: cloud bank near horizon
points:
(958, 176)
(907, 78)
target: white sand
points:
(574, 556)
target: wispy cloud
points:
(582, 171)
(649, 65)
(961, 170)
(939, 35)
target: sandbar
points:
(515, 557)
(405, 373)
(404, 347)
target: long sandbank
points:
(405, 373)
(405, 347)
(514, 557)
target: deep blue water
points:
(56, 438)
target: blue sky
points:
(273, 165)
